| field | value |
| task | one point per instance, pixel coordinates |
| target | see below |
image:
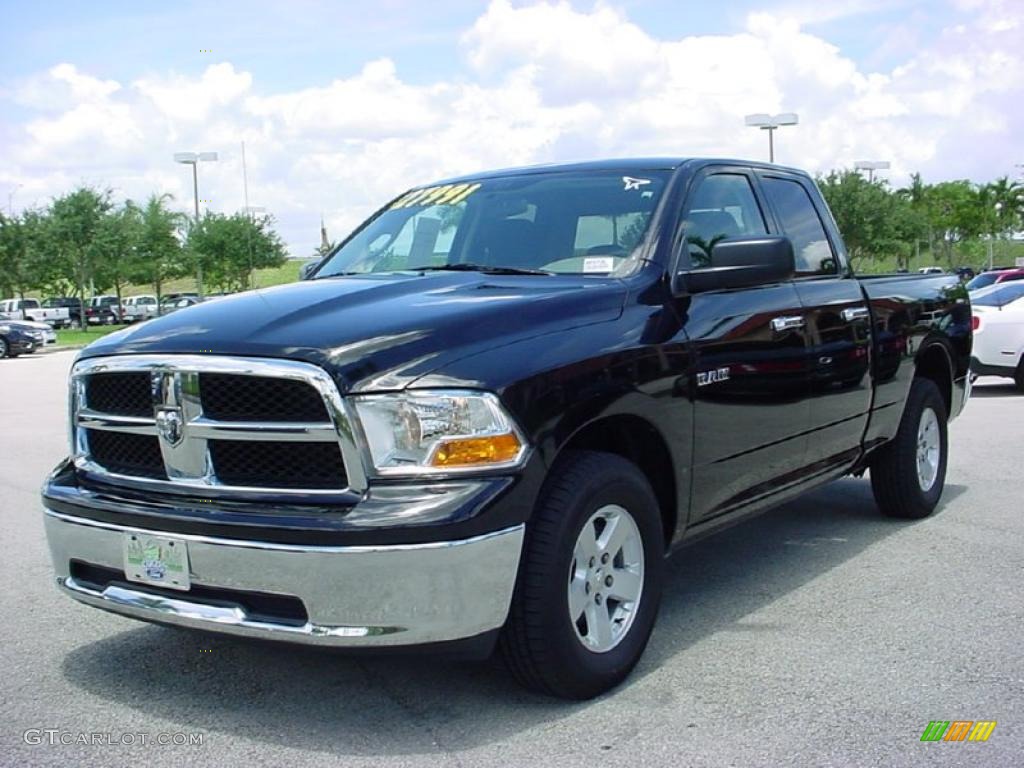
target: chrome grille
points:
(281, 465)
(243, 398)
(127, 454)
(127, 393)
(227, 426)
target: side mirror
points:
(739, 263)
(306, 269)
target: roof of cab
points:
(628, 165)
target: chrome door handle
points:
(780, 324)
(852, 314)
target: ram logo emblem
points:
(170, 425)
(710, 377)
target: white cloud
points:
(188, 100)
(543, 82)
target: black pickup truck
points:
(489, 414)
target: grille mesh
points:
(267, 464)
(125, 394)
(127, 454)
(230, 397)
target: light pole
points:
(193, 159)
(249, 211)
(10, 199)
(871, 166)
(770, 123)
(991, 247)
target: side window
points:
(801, 223)
(722, 206)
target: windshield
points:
(985, 278)
(1001, 295)
(564, 223)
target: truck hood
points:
(376, 332)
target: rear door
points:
(751, 406)
(838, 323)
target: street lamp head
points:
(871, 165)
(190, 158)
(763, 120)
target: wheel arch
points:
(935, 362)
(639, 441)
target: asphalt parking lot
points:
(818, 634)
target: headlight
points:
(438, 432)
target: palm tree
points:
(917, 195)
(1004, 200)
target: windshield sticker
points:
(632, 183)
(598, 264)
(447, 194)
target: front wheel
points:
(1018, 376)
(4, 349)
(908, 474)
(589, 582)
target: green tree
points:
(14, 277)
(158, 255)
(75, 220)
(956, 214)
(875, 222)
(230, 247)
(116, 247)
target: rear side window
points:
(721, 207)
(801, 223)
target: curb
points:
(64, 347)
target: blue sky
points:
(344, 104)
(289, 43)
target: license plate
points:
(157, 560)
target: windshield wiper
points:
(336, 274)
(485, 268)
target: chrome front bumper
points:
(356, 596)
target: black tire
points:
(4, 351)
(1018, 375)
(540, 643)
(895, 480)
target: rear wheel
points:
(908, 474)
(590, 579)
(1018, 376)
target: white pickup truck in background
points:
(29, 309)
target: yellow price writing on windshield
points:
(447, 194)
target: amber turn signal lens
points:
(474, 451)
